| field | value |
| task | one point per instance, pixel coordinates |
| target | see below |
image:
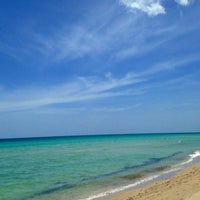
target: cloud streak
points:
(89, 88)
(84, 39)
(79, 90)
(170, 65)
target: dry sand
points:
(185, 185)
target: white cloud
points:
(151, 7)
(183, 2)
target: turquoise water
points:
(79, 167)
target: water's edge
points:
(150, 178)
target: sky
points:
(99, 67)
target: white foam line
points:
(192, 157)
(171, 170)
(103, 194)
(195, 154)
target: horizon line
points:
(93, 135)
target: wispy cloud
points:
(157, 37)
(116, 36)
(170, 65)
(114, 109)
(138, 48)
(84, 39)
(89, 88)
(77, 42)
(79, 90)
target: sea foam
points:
(192, 156)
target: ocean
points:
(90, 167)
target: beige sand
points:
(184, 186)
(196, 196)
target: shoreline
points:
(148, 179)
(184, 185)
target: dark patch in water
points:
(133, 176)
(60, 186)
(146, 163)
(162, 168)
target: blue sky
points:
(99, 67)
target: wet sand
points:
(185, 185)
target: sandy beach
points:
(185, 185)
